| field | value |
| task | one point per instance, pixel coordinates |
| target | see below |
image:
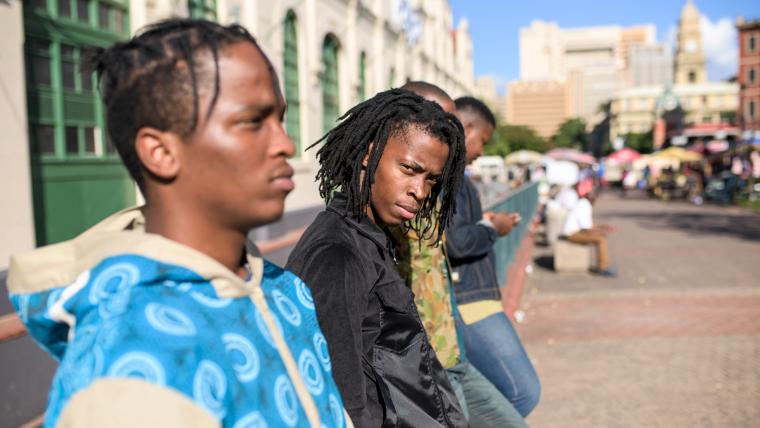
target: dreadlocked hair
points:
(364, 131)
(156, 80)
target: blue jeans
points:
(483, 404)
(493, 347)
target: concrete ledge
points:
(570, 257)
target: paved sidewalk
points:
(673, 341)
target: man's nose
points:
(283, 144)
(417, 189)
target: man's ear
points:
(365, 159)
(158, 152)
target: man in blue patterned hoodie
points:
(163, 315)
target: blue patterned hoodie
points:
(149, 332)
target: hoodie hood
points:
(47, 285)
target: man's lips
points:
(283, 178)
(407, 211)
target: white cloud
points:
(719, 41)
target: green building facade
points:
(77, 177)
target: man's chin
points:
(394, 221)
(263, 218)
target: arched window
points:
(362, 88)
(330, 90)
(692, 77)
(290, 73)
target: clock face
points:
(691, 46)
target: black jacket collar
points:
(363, 225)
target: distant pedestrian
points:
(579, 227)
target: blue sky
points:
(495, 26)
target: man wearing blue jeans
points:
(422, 262)
(490, 340)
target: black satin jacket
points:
(382, 362)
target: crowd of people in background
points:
(721, 179)
(387, 313)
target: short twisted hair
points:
(155, 80)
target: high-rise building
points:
(588, 63)
(641, 35)
(540, 104)
(749, 79)
(541, 52)
(649, 64)
(485, 90)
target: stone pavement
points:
(672, 341)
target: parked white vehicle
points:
(490, 168)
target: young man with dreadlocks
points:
(163, 315)
(389, 160)
(490, 340)
(424, 266)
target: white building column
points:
(17, 214)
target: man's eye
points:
(254, 122)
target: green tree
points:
(572, 133)
(510, 138)
(640, 141)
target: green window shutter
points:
(330, 91)
(362, 89)
(392, 78)
(290, 72)
(64, 110)
(202, 9)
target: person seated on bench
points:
(579, 228)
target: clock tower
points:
(689, 59)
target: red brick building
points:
(748, 114)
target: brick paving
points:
(672, 341)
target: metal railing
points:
(523, 200)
